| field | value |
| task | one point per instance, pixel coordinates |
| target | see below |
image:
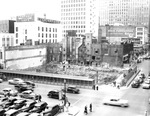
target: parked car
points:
(147, 81)
(23, 87)
(39, 107)
(135, 85)
(23, 114)
(29, 95)
(35, 114)
(116, 102)
(51, 110)
(18, 104)
(9, 102)
(55, 94)
(29, 106)
(11, 112)
(30, 83)
(10, 91)
(146, 86)
(72, 89)
(15, 81)
(2, 111)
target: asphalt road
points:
(137, 97)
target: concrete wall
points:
(24, 57)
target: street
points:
(137, 97)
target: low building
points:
(23, 57)
(32, 29)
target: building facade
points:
(79, 15)
(30, 29)
(115, 33)
(127, 12)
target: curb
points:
(132, 78)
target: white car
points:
(10, 91)
(146, 86)
(15, 81)
(147, 81)
(29, 95)
(116, 102)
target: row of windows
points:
(73, 13)
(46, 41)
(74, 22)
(72, 1)
(72, 5)
(73, 18)
(78, 31)
(46, 35)
(74, 26)
(47, 29)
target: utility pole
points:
(149, 31)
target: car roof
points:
(40, 103)
(23, 114)
(35, 114)
(11, 111)
(7, 89)
(27, 91)
(20, 100)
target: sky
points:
(11, 8)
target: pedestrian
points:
(97, 87)
(85, 110)
(69, 103)
(146, 113)
(90, 107)
(40, 97)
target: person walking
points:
(40, 97)
(85, 110)
(90, 107)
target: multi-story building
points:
(6, 33)
(31, 29)
(115, 33)
(79, 15)
(127, 12)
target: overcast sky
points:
(11, 8)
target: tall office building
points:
(79, 15)
(127, 12)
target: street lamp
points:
(64, 92)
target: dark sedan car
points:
(39, 107)
(72, 89)
(30, 83)
(135, 85)
(23, 87)
(29, 106)
(9, 102)
(55, 94)
(51, 111)
(18, 104)
(2, 112)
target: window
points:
(16, 29)
(49, 35)
(46, 29)
(25, 37)
(55, 35)
(1, 55)
(26, 31)
(42, 35)
(53, 30)
(46, 35)
(38, 28)
(16, 35)
(42, 28)
(38, 34)
(49, 29)
(16, 41)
